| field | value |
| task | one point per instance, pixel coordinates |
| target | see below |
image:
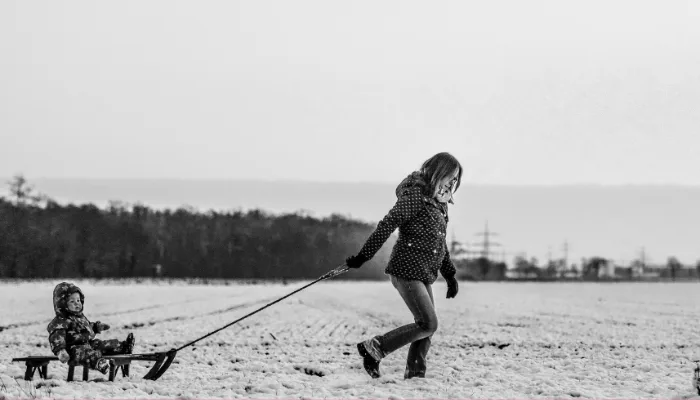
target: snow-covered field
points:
(495, 340)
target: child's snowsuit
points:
(75, 333)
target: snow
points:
(495, 340)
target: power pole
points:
(643, 260)
(565, 260)
(487, 243)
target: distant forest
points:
(40, 238)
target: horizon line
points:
(353, 182)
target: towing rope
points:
(330, 274)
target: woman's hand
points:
(355, 261)
(452, 287)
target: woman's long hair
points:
(438, 167)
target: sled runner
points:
(162, 359)
(162, 362)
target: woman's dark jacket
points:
(421, 249)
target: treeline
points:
(40, 238)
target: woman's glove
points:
(355, 261)
(452, 287)
(63, 356)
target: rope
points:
(330, 274)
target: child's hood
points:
(412, 180)
(60, 297)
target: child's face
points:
(74, 304)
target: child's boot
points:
(102, 365)
(128, 345)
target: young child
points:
(420, 214)
(72, 335)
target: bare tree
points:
(21, 192)
(673, 267)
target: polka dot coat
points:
(421, 249)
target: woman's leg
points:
(418, 298)
(417, 353)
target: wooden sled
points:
(116, 362)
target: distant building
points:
(519, 274)
(607, 269)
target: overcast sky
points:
(522, 92)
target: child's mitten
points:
(99, 327)
(63, 356)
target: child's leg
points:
(85, 355)
(111, 346)
(114, 346)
